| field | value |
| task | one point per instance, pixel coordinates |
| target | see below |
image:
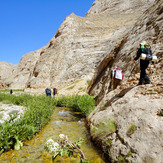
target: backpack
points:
(117, 74)
(54, 91)
(48, 91)
(146, 52)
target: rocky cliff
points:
(79, 45)
(127, 121)
(6, 70)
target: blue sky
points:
(28, 25)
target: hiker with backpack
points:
(117, 77)
(54, 91)
(145, 55)
(48, 92)
(11, 91)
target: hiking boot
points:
(140, 83)
(147, 82)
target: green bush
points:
(84, 103)
(161, 112)
(38, 112)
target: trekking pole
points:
(133, 69)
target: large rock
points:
(119, 6)
(127, 121)
(148, 27)
(129, 126)
(24, 69)
(6, 70)
(79, 45)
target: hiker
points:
(145, 54)
(54, 91)
(11, 91)
(48, 92)
(117, 77)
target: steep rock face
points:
(129, 126)
(127, 121)
(6, 70)
(149, 28)
(119, 6)
(75, 50)
(21, 74)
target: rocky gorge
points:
(126, 122)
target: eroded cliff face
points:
(6, 70)
(119, 6)
(127, 121)
(77, 48)
(149, 28)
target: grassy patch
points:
(82, 89)
(39, 111)
(160, 113)
(69, 88)
(1, 115)
(14, 90)
(105, 128)
(88, 82)
(131, 130)
(78, 103)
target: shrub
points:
(84, 103)
(38, 112)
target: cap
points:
(143, 43)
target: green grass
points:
(160, 112)
(39, 111)
(1, 115)
(131, 130)
(84, 103)
(14, 90)
(104, 128)
(69, 88)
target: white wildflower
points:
(51, 146)
(62, 136)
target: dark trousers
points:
(116, 83)
(143, 76)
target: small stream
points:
(63, 121)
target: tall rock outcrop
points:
(6, 71)
(127, 121)
(79, 45)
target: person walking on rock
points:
(48, 92)
(117, 77)
(143, 49)
(54, 91)
(11, 91)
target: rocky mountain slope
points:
(6, 70)
(79, 45)
(128, 121)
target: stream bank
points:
(63, 121)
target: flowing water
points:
(63, 121)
